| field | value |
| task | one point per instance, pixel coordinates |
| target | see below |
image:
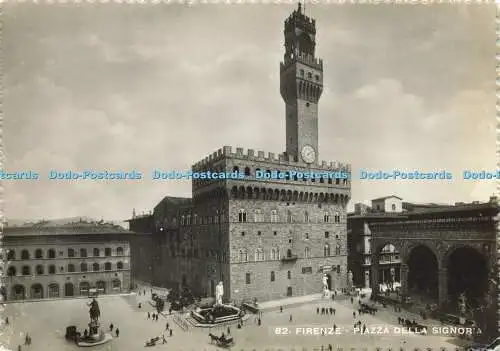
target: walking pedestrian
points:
(167, 326)
(140, 305)
(171, 332)
(111, 327)
(281, 308)
(317, 310)
(353, 314)
(352, 300)
(228, 331)
(149, 315)
(290, 318)
(164, 340)
(117, 332)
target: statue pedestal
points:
(326, 293)
(94, 331)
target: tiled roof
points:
(387, 197)
(65, 229)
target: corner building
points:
(264, 238)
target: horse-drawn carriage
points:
(152, 342)
(72, 334)
(222, 341)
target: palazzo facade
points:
(264, 238)
(46, 261)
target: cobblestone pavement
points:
(46, 322)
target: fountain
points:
(218, 313)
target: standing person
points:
(117, 332)
(171, 332)
(149, 315)
(111, 327)
(228, 331)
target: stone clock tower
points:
(301, 85)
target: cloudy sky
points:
(139, 87)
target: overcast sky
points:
(138, 87)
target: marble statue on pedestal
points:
(350, 284)
(326, 290)
(219, 292)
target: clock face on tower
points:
(308, 154)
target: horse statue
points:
(94, 311)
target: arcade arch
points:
(423, 272)
(467, 273)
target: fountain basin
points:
(105, 338)
(217, 314)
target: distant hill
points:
(13, 222)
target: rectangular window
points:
(247, 278)
(327, 235)
(307, 270)
(242, 233)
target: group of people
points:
(326, 310)
(117, 331)
(153, 316)
(27, 338)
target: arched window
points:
(326, 217)
(289, 217)
(247, 171)
(289, 275)
(83, 252)
(83, 267)
(39, 269)
(107, 251)
(258, 216)
(11, 255)
(306, 217)
(52, 269)
(306, 252)
(242, 216)
(95, 267)
(275, 254)
(107, 266)
(71, 253)
(288, 253)
(25, 255)
(272, 276)
(12, 271)
(26, 270)
(96, 252)
(71, 268)
(259, 254)
(119, 251)
(183, 219)
(337, 218)
(119, 265)
(51, 253)
(326, 250)
(274, 216)
(38, 253)
(243, 255)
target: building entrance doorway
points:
(212, 288)
(289, 291)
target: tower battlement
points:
(299, 19)
(281, 159)
(306, 59)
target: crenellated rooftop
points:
(304, 58)
(252, 155)
(299, 19)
